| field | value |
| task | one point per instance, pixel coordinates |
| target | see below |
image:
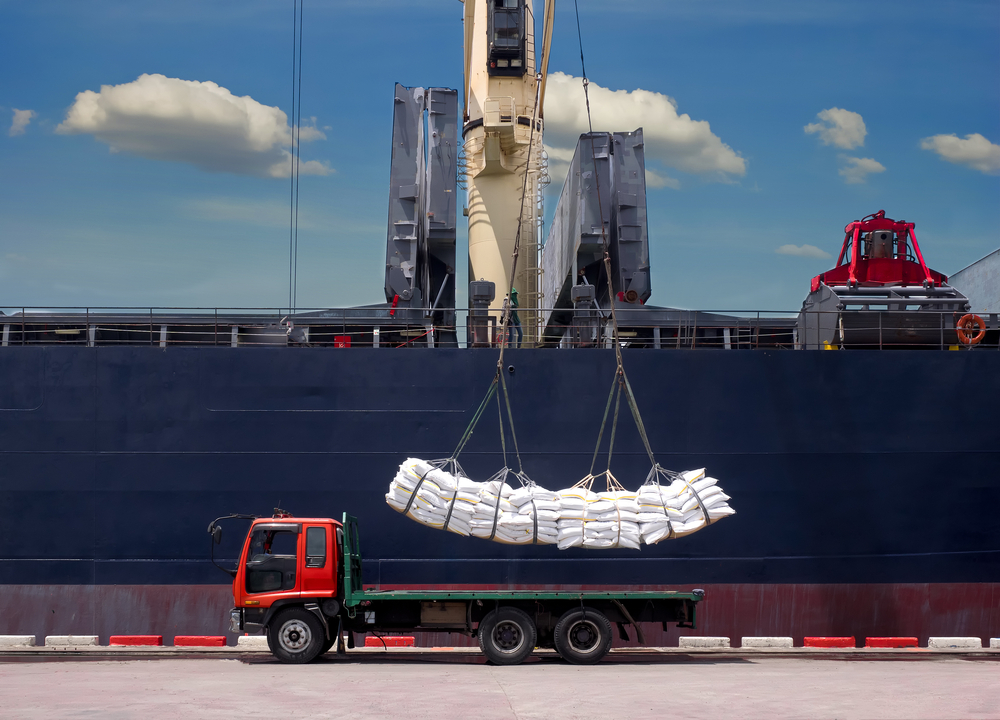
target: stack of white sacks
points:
(575, 517)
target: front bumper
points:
(249, 620)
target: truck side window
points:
(315, 547)
(271, 561)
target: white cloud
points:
(806, 251)
(856, 170)
(842, 128)
(20, 122)
(656, 180)
(199, 123)
(674, 140)
(974, 151)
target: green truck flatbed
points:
(355, 593)
(357, 597)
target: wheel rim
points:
(295, 636)
(508, 637)
(584, 636)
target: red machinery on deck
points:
(877, 253)
(882, 295)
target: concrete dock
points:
(457, 683)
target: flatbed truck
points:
(299, 581)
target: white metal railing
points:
(383, 327)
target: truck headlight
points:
(235, 620)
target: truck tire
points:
(295, 636)
(507, 636)
(324, 649)
(583, 636)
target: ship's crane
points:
(502, 97)
(502, 123)
(881, 294)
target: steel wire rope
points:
(620, 375)
(509, 310)
(298, 173)
(498, 378)
(293, 159)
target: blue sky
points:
(167, 223)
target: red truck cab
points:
(289, 564)
(272, 573)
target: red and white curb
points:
(67, 641)
(388, 641)
(703, 643)
(893, 642)
(955, 643)
(200, 641)
(753, 643)
(7, 641)
(137, 640)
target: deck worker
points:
(515, 321)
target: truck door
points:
(317, 570)
(272, 556)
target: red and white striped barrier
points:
(754, 643)
(65, 641)
(136, 640)
(258, 643)
(200, 641)
(828, 642)
(890, 642)
(955, 643)
(12, 641)
(390, 641)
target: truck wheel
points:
(583, 636)
(507, 636)
(295, 636)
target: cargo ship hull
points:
(865, 482)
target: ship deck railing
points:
(386, 327)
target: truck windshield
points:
(271, 560)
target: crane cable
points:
(621, 379)
(621, 384)
(509, 310)
(296, 138)
(498, 378)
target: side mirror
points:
(217, 534)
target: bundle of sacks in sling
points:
(576, 517)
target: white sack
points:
(574, 517)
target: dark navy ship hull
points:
(866, 483)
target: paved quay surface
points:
(461, 685)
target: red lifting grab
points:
(876, 252)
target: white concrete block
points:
(17, 641)
(252, 642)
(994, 643)
(70, 640)
(696, 641)
(767, 642)
(955, 643)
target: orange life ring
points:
(965, 327)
